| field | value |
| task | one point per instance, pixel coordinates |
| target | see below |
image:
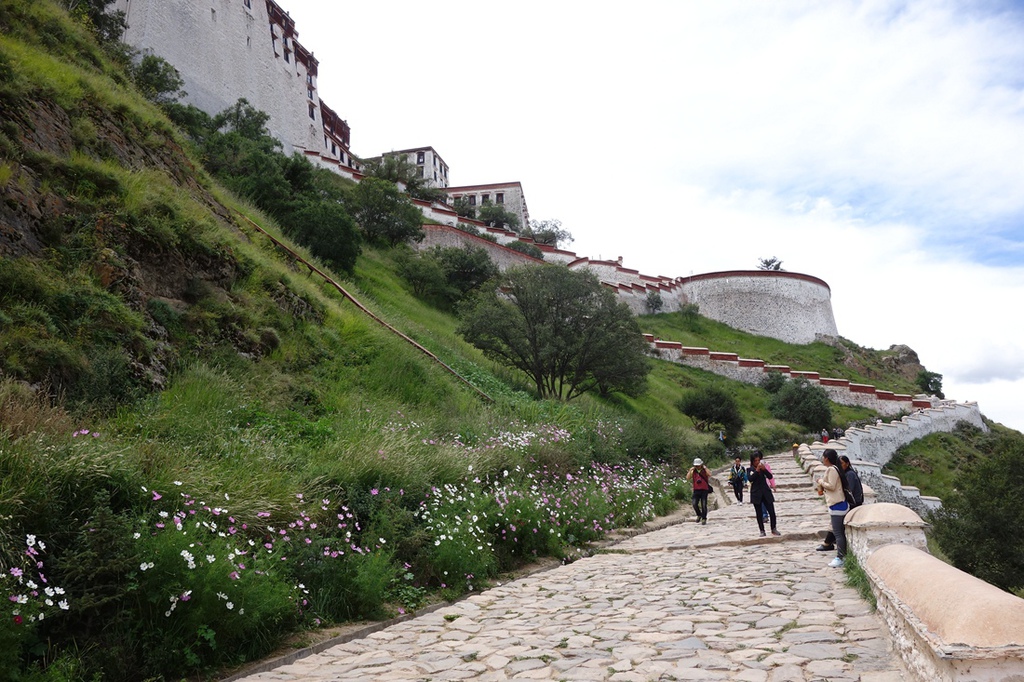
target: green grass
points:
(844, 360)
(932, 463)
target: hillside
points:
(209, 446)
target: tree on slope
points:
(978, 526)
(560, 327)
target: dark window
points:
(287, 55)
(309, 91)
(485, 199)
(500, 198)
(419, 157)
(312, 112)
(309, 79)
(420, 169)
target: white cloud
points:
(877, 145)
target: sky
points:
(876, 145)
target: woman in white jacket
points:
(832, 487)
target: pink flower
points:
(17, 620)
(374, 491)
(156, 496)
(233, 575)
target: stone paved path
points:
(688, 602)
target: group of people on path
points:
(841, 487)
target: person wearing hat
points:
(701, 480)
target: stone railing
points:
(870, 448)
(945, 624)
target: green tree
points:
(772, 382)
(549, 232)
(495, 215)
(654, 303)
(397, 169)
(930, 383)
(772, 263)
(527, 248)
(801, 402)
(465, 269)
(108, 26)
(562, 328)
(464, 208)
(712, 409)
(978, 526)
(327, 230)
(157, 79)
(385, 214)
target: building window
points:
(420, 169)
(287, 55)
(419, 157)
(312, 112)
(485, 199)
(309, 92)
(499, 197)
(309, 79)
(472, 200)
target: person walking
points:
(700, 478)
(738, 478)
(856, 489)
(761, 496)
(833, 488)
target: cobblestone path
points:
(687, 602)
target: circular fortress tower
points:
(783, 305)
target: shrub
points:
(801, 402)
(978, 524)
(529, 249)
(711, 408)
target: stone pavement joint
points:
(682, 602)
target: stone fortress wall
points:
(788, 306)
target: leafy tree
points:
(772, 263)
(712, 409)
(930, 383)
(801, 402)
(978, 526)
(549, 232)
(326, 228)
(385, 214)
(495, 215)
(560, 327)
(423, 272)
(464, 208)
(157, 79)
(397, 169)
(654, 303)
(773, 382)
(108, 26)
(465, 269)
(527, 248)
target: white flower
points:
(241, 612)
(210, 558)
(136, 536)
(31, 585)
(30, 540)
(63, 604)
(177, 482)
(48, 602)
(230, 606)
(49, 591)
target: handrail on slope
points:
(367, 311)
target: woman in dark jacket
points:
(761, 492)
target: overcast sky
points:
(876, 145)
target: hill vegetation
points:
(204, 446)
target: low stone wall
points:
(752, 371)
(945, 624)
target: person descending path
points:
(701, 479)
(738, 478)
